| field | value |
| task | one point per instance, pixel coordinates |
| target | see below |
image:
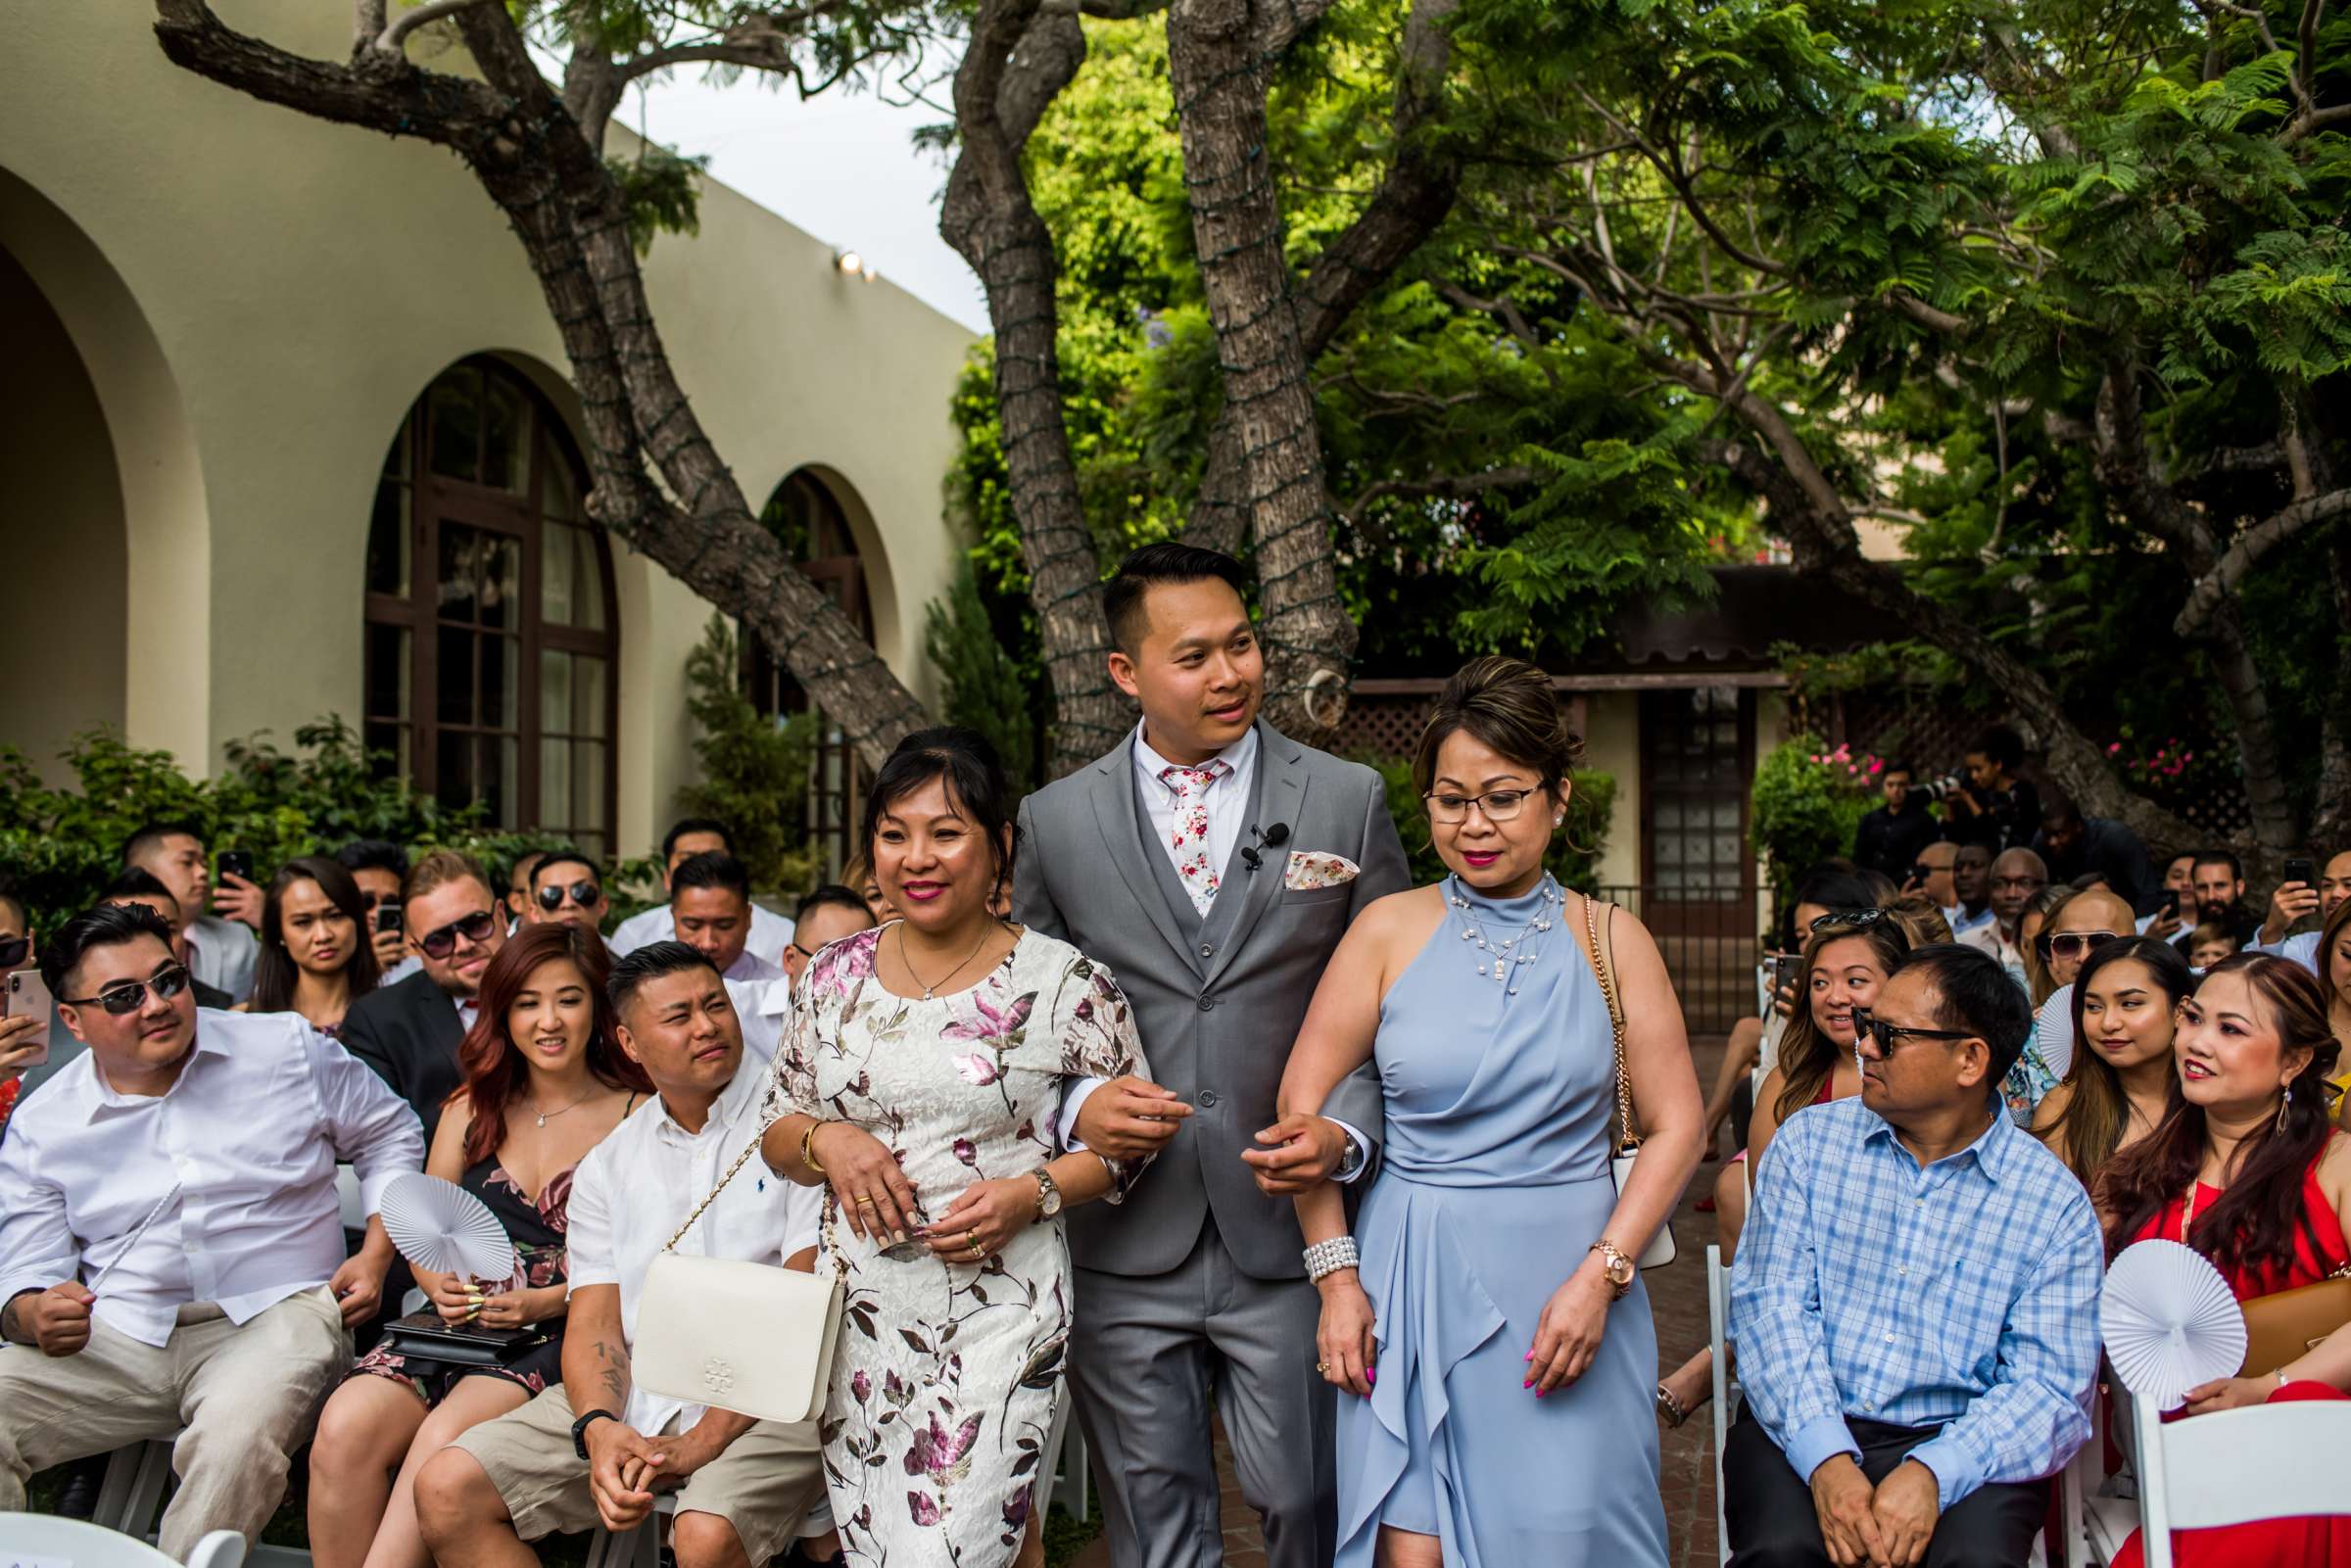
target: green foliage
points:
(755, 770)
(62, 844)
(1803, 811)
(663, 192)
(1575, 849)
(980, 684)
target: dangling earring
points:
(2285, 1098)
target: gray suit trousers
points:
(1142, 1354)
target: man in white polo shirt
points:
(171, 1247)
(595, 1449)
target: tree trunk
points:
(522, 144)
(1022, 54)
(1217, 61)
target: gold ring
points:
(866, 1201)
(1322, 1366)
(978, 1251)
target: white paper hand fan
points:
(438, 1225)
(2169, 1322)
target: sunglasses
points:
(128, 996)
(584, 895)
(1852, 919)
(2073, 944)
(14, 951)
(443, 942)
(1868, 1026)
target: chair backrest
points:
(77, 1542)
(2267, 1462)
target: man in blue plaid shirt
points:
(1915, 1299)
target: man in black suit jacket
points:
(409, 1032)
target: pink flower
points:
(965, 1152)
(935, 1449)
(976, 1069)
(923, 1509)
(2112, 749)
(861, 1386)
(1877, 765)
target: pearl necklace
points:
(1511, 952)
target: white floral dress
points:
(948, 1374)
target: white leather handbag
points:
(753, 1338)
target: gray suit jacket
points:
(1218, 999)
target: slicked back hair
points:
(632, 971)
(1122, 605)
(105, 925)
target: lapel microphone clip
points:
(1273, 837)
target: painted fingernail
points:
(1371, 1376)
(1539, 1393)
(1528, 1384)
(1531, 1355)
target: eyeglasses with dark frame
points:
(584, 895)
(441, 941)
(1868, 1026)
(128, 996)
(1499, 805)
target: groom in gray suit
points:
(1213, 863)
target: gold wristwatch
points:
(1616, 1266)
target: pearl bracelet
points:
(1327, 1257)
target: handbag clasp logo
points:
(717, 1376)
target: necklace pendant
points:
(542, 1118)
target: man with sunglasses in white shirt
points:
(171, 1253)
(567, 889)
(409, 1032)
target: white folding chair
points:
(1718, 1311)
(2233, 1467)
(131, 1495)
(640, 1548)
(45, 1538)
(1063, 1464)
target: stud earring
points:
(1559, 819)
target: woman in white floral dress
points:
(922, 1082)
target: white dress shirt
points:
(750, 969)
(632, 1190)
(222, 953)
(1990, 938)
(764, 1009)
(2302, 947)
(771, 933)
(236, 1160)
(1228, 801)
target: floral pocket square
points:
(1315, 868)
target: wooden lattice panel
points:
(1383, 725)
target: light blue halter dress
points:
(1492, 1187)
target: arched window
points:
(808, 520)
(491, 630)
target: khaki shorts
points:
(762, 1485)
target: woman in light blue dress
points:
(1493, 1350)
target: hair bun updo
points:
(1510, 706)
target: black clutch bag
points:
(424, 1336)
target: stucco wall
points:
(1612, 744)
(302, 282)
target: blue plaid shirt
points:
(1964, 1296)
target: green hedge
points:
(61, 845)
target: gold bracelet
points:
(808, 1149)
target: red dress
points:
(2307, 1542)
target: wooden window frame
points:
(435, 499)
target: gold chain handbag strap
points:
(741, 1161)
(1627, 1138)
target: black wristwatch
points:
(579, 1430)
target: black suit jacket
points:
(409, 1034)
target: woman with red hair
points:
(544, 1081)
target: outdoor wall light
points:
(852, 264)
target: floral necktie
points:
(1189, 837)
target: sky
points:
(841, 166)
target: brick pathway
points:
(1677, 1297)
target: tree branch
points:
(396, 33)
(2214, 586)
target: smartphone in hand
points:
(2302, 869)
(25, 996)
(236, 863)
